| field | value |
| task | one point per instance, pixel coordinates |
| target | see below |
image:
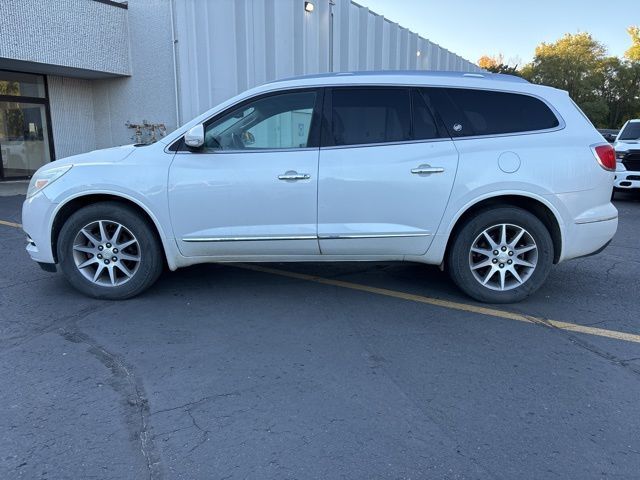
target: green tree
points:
(572, 63)
(620, 91)
(606, 88)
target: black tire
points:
(150, 264)
(458, 259)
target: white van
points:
(491, 177)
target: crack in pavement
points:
(129, 387)
(11, 343)
(189, 405)
(205, 433)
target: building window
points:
(25, 135)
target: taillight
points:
(606, 156)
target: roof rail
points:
(430, 73)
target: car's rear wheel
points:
(501, 255)
(107, 250)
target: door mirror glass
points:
(194, 138)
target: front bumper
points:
(626, 180)
(37, 218)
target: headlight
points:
(42, 179)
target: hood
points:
(106, 155)
(626, 145)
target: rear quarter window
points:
(468, 112)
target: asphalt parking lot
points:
(311, 371)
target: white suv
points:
(488, 176)
(627, 146)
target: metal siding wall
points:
(72, 116)
(242, 43)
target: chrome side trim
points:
(367, 235)
(515, 134)
(248, 239)
(304, 237)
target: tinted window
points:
(479, 112)
(424, 125)
(276, 121)
(370, 115)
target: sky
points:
(472, 28)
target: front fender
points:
(154, 207)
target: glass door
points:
(25, 138)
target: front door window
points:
(279, 121)
(24, 130)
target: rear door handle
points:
(293, 176)
(426, 170)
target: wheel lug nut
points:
(511, 254)
(100, 247)
(108, 245)
(495, 252)
(115, 259)
(495, 260)
(100, 256)
(504, 249)
(115, 250)
(502, 265)
(509, 262)
(106, 262)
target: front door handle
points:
(293, 176)
(426, 170)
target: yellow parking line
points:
(491, 312)
(10, 224)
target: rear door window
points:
(425, 126)
(470, 112)
(369, 115)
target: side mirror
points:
(194, 138)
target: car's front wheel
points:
(501, 255)
(107, 250)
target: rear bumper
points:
(584, 239)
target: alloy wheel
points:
(106, 253)
(503, 257)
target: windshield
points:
(630, 132)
